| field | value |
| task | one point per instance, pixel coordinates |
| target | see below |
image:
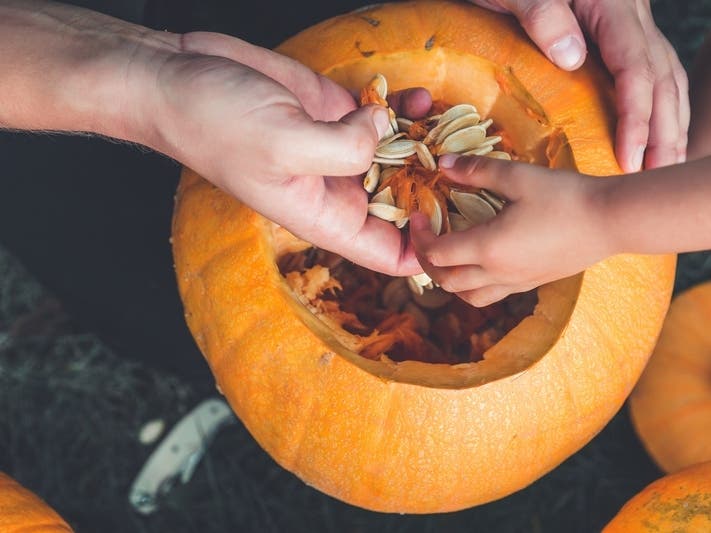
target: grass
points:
(72, 411)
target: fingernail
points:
(637, 158)
(381, 121)
(448, 160)
(567, 53)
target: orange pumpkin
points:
(408, 436)
(22, 511)
(676, 502)
(671, 405)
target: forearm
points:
(665, 210)
(69, 69)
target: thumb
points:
(552, 25)
(343, 148)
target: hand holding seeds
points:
(289, 143)
(551, 227)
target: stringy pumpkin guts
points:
(382, 317)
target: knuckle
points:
(448, 283)
(433, 257)
(362, 148)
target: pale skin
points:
(558, 223)
(286, 141)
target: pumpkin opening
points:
(378, 317)
(391, 322)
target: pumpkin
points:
(676, 502)
(409, 436)
(670, 406)
(23, 511)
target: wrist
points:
(604, 210)
(71, 69)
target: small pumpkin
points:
(676, 502)
(670, 406)
(409, 436)
(22, 511)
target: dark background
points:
(93, 343)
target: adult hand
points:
(651, 84)
(529, 243)
(290, 143)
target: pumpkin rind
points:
(676, 502)
(22, 511)
(671, 404)
(412, 437)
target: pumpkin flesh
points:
(410, 436)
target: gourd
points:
(670, 406)
(405, 435)
(675, 502)
(22, 511)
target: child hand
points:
(551, 227)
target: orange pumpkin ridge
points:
(676, 502)
(670, 406)
(21, 511)
(409, 436)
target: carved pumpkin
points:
(671, 404)
(22, 511)
(408, 436)
(676, 502)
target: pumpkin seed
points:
(458, 222)
(396, 149)
(372, 178)
(496, 202)
(462, 140)
(384, 197)
(472, 206)
(497, 154)
(457, 111)
(470, 119)
(425, 156)
(387, 212)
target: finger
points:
(382, 247)
(622, 43)
(664, 126)
(485, 295)
(484, 172)
(310, 88)
(448, 250)
(332, 214)
(552, 25)
(305, 147)
(413, 103)
(448, 259)
(684, 111)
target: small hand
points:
(550, 228)
(290, 143)
(651, 84)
